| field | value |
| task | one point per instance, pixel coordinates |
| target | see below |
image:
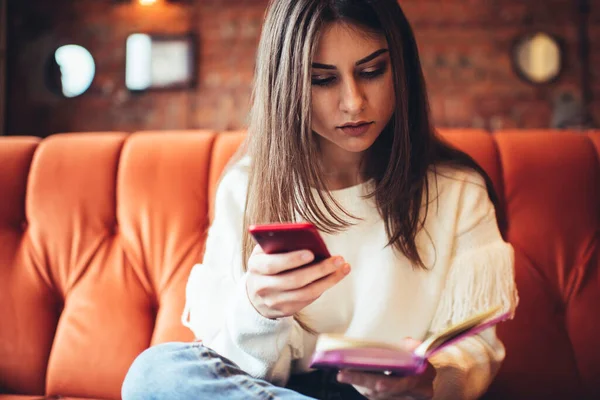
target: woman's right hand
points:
(276, 286)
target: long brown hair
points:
(284, 154)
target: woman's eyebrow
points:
(359, 62)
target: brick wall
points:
(465, 46)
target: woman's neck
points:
(341, 182)
(342, 170)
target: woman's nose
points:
(352, 99)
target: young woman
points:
(340, 135)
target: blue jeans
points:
(186, 371)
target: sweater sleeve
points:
(481, 275)
(218, 310)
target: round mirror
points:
(537, 58)
(70, 71)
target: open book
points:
(340, 352)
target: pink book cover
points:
(339, 352)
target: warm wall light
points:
(151, 2)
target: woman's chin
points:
(357, 145)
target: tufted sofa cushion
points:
(98, 233)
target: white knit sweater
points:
(470, 268)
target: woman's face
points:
(352, 89)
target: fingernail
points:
(339, 261)
(346, 269)
(341, 377)
(307, 256)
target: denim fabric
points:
(191, 371)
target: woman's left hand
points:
(379, 387)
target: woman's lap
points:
(191, 371)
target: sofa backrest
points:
(98, 233)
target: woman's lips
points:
(356, 130)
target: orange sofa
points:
(98, 232)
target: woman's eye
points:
(372, 73)
(323, 81)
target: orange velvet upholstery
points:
(98, 233)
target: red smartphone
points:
(286, 237)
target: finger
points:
(301, 277)
(410, 343)
(271, 264)
(257, 250)
(314, 290)
(356, 378)
(378, 383)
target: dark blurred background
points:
(469, 52)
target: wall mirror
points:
(538, 58)
(160, 62)
(70, 71)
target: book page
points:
(471, 326)
(327, 342)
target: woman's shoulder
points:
(447, 176)
(455, 188)
(235, 174)
(233, 183)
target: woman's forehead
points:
(345, 42)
